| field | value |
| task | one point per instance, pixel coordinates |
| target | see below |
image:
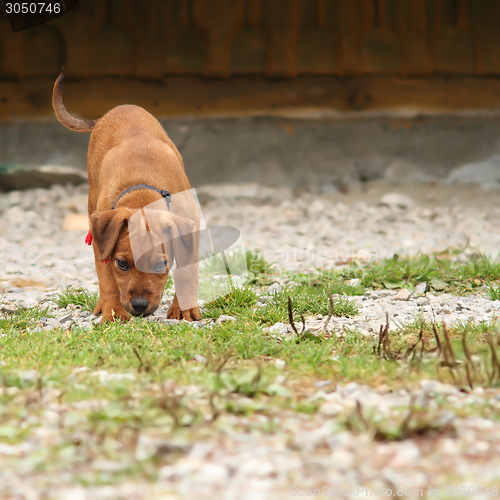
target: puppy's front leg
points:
(185, 303)
(109, 304)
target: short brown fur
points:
(128, 146)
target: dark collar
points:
(164, 194)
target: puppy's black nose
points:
(140, 304)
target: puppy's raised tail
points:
(62, 115)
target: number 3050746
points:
(33, 8)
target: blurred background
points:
(315, 94)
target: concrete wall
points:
(276, 151)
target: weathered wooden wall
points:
(276, 38)
(157, 39)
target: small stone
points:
(436, 387)
(331, 408)
(421, 288)
(274, 288)
(485, 172)
(28, 375)
(350, 389)
(200, 358)
(423, 301)
(223, 318)
(280, 328)
(280, 363)
(397, 200)
(401, 171)
(402, 294)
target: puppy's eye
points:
(122, 264)
(161, 265)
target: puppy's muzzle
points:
(140, 305)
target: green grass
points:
(307, 300)
(494, 292)
(439, 274)
(259, 269)
(180, 384)
(83, 397)
(22, 319)
(78, 297)
(164, 350)
(239, 301)
(333, 282)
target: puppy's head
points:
(141, 283)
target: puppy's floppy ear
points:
(106, 226)
(183, 236)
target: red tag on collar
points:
(88, 238)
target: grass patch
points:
(494, 292)
(22, 319)
(333, 282)
(238, 302)
(307, 300)
(161, 352)
(136, 396)
(174, 385)
(439, 274)
(78, 297)
(259, 269)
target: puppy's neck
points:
(138, 199)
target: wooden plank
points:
(350, 30)
(316, 42)
(382, 51)
(46, 54)
(306, 96)
(150, 27)
(276, 38)
(249, 47)
(187, 47)
(221, 20)
(416, 35)
(77, 28)
(12, 49)
(281, 19)
(484, 16)
(453, 45)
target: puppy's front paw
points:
(193, 314)
(189, 314)
(116, 313)
(110, 312)
(174, 312)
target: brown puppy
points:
(132, 163)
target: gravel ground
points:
(308, 452)
(297, 231)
